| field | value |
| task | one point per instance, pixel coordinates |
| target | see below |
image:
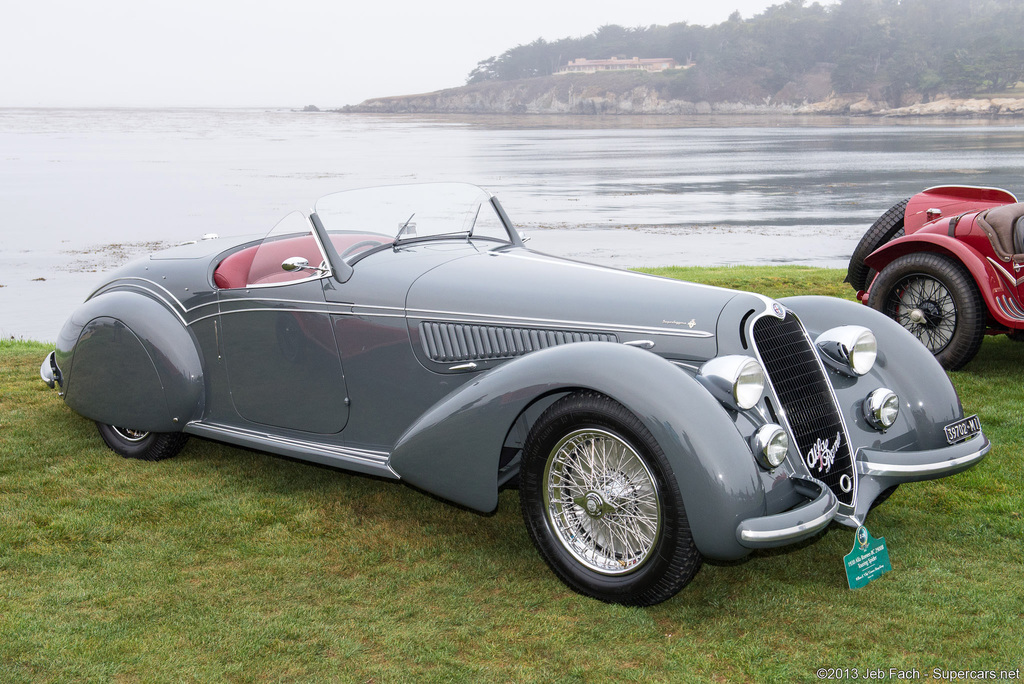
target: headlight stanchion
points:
(735, 380)
(849, 349)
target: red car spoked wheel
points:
(934, 298)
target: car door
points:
(277, 342)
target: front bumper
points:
(876, 471)
(792, 525)
(910, 466)
(50, 373)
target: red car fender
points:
(951, 200)
(985, 277)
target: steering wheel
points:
(361, 243)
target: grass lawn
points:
(224, 564)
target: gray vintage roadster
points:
(406, 332)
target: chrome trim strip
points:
(255, 309)
(275, 299)
(355, 309)
(343, 455)
(262, 286)
(260, 304)
(1016, 282)
(173, 307)
(792, 532)
(1012, 308)
(484, 319)
(876, 469)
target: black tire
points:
(571, 506)
(145, 446)
(935, 298)
(889, 226)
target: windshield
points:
(410, 212)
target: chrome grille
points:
(448, 342)
(810, 409)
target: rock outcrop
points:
(569, 95)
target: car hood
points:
(519, 288)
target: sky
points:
(286, 53)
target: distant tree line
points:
(888, 48)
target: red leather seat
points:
(261, 264)
(234, 270)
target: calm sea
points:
(83, 190)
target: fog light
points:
(770, 445)
(881, 408)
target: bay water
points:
(82, 191)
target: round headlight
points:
(749, 385)
(735, 380)
(881, 408)
(770, 445)
(863, 353)
(849, 349)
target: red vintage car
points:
(947, 265)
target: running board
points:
(346, 458)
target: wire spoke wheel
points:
(603, 505)
(924, 306)
(935, 299)
(602, 501)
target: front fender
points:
(127, 360)
(928, 242)
(453, 449)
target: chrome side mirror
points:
(295, 264)
(301, 264)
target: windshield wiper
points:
(423, 238)
(404, 226)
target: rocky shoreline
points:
(548, 96)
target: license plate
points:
(962, 429)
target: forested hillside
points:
(895, 51)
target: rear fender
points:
(128, 361)
(952, 200)
(453, 449)
(984, 274)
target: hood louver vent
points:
(453, 342)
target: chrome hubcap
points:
(602, 501)
(130, 435)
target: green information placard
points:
(868, 560)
